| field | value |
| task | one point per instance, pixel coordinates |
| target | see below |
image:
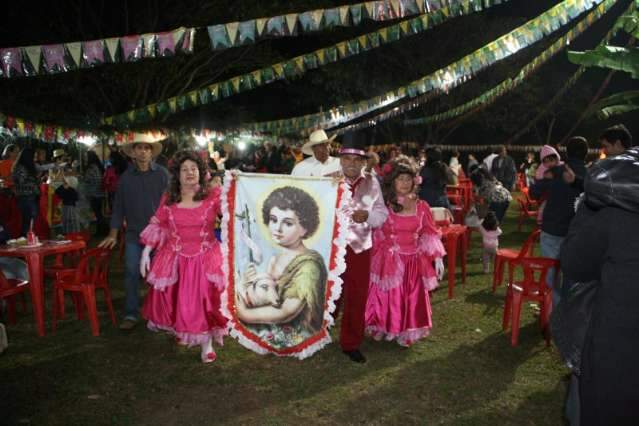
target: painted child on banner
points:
(406, 261)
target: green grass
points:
(465, 373)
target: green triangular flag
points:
(34, 52)
(75, 50)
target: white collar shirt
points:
(312, 167)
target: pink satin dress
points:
(402, 273)
(186, 278)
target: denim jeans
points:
(499, 209)
(132, 254)
(550, 247)
(29, 207)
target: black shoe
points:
(356, 356)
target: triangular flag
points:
(396, 8)
(112, 47)
(260, 24)
(149, 45)
(370, 6)
(152, 110)
(75, 50)
(177, 36)
(279, 70)
(213, 89)
(343, 15)
(299, 62)
(363, 41)
(235, 81)
(131, 115)
(404, 26)
(317, 17)
(320, 56)
(231, 29)
(34, 53)
(383, 33)
(257, 76)
(291, 19)
(173, 104)
(341, 47)
(193, 97)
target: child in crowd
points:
(490, 232)
(69, 196)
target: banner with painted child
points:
(284, 245)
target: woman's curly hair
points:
(297, 200)
(400, 165)
(174, 194)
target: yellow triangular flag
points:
(257, 76)
(177, 35)
(299, 62)
(363, 41)
(194, 98)
(213, 88)
(396, 8)
(235, 81)
(173, 104)
(341, 47)
(34, 54)
(320, 55)
(291, 19)
(404, 26)
(260, 24)
(112, 46)
(279, 69)
(383, 33)
(131, 115)
(343, 14)
(317, 16)
(152, 110)
(420, 5)
(369, 8)
(231, 29)
(75, 49)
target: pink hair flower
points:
(417, 180)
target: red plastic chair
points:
(9, 288)
(91, 274)
(532, 288)
(525, 213)
(71, 258)
(512, 257)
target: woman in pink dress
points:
(406, 261)
(185, 273)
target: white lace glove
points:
(439, 268)
(145, 261)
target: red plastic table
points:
(34, 257)
(454, 236)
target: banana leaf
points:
(616, 104)
(612, 57)
(629, 23)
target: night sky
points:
(78, 98)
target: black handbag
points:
(570, 320)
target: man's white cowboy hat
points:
(154, 141)
(317, 137)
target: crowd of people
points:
(394, 253)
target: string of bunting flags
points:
(300, 64)
(28, 61)
(448, 77)
(490, 96)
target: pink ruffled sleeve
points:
(430, 242)
(157, 231)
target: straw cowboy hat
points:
(58, 153)
(317, 137)
(155, 142)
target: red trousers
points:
(353, 301)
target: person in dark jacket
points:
(504, 169)
(603, 244)
(560, 193)
(435, 176)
